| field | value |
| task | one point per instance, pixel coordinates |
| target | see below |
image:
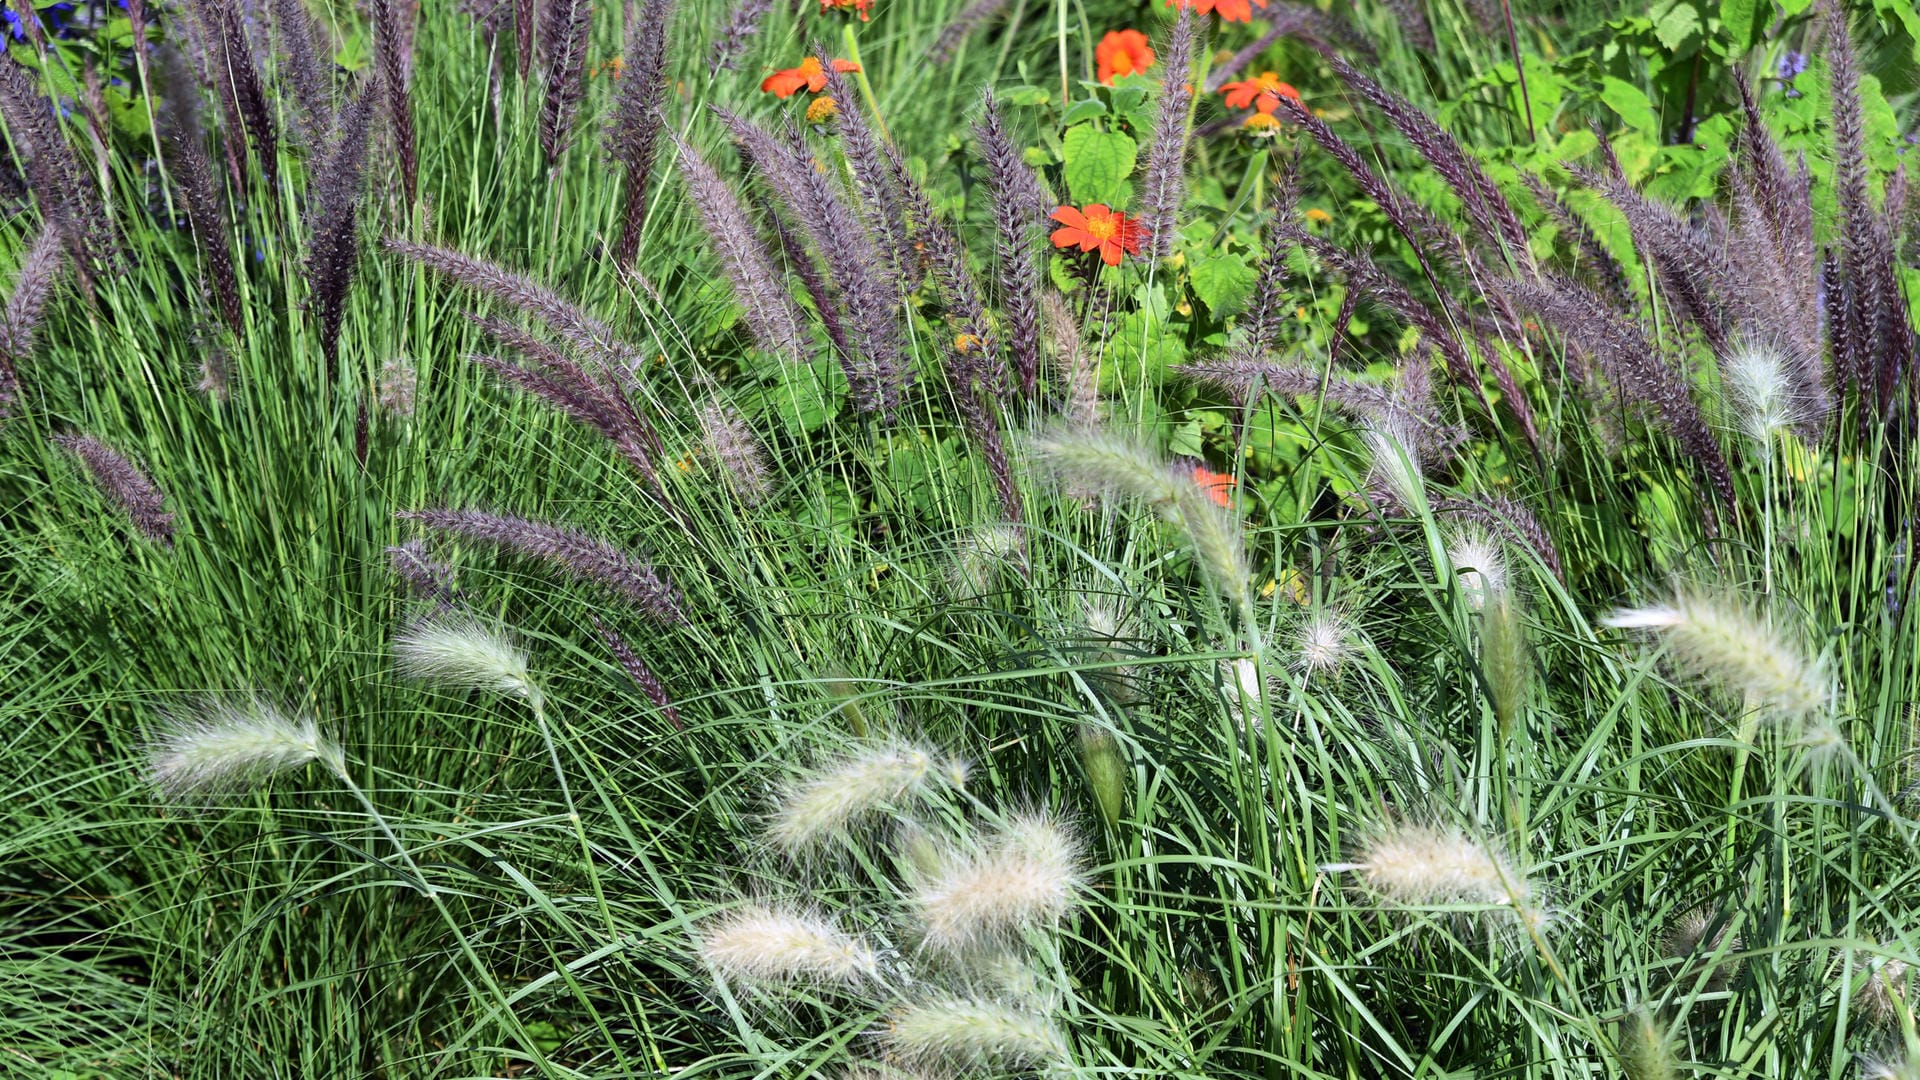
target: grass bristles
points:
(241, 80)
(224, 745)
(1027, 875)
(192, 173)
(1163, 170)
(1718, 639)
(566, 319)
(598, 402)
(734, 452)
(305, 71)
(33, 289)
(580, 556)
(68, 199)
(765, 303)
(972, 1034)
(424, 576)
(333, 220)
(764, 943)
(390, 43)
(1424, 866)
(637, 670)
(743, 25)
(830, 799)
(569, 23)
(462, 653)
(633, 132)
(1018, 204)
(124, 485)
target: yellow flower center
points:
(1101, 228)
(822, 110)
(1123, 64)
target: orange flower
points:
(1263, 93)
(822, 110)
(1230, 10)
(1218, 486)
(1260, 125)
(1097, 227)
(859, 7)
(1122, 52)
(809, 75)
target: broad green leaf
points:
(1631, 103)
(1680, 29)
(1223, 283)
(1084, 110)
(1098, 164)
(1739, 16)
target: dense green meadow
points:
(1304, 540)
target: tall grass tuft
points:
(33, 290)
(825, 802)
(639, 116)
(569, 23)
(972, 1034)
(333, 220)
(391, 48)
(1717, 639)
(1026, 876)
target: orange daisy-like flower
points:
(1097, 228)
(1263, 93)
(1218, 486)
(1122, 52)
(809, 76)
(860, 7)
(1260, 125)
(1230, 10)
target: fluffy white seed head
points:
(972, 1033)
(1886, 992)
(1322, 643)
(223, 745)
(1481, 564)
(980, 556)
(772, 944)
(1723, 643)
(461, 652)
(1873, 1067)
(832, 798)
(1765, 391)
(1418, 865)
(1396, 459)
(1027, 875)
(1689, 940)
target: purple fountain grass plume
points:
(1265, 309)
(956, 33)
(29, 20)
(1487, 207)
(33, 288)
(569, 22)
(598, 404)
(1019, 205)
(800, 263)
(306, 71)
(637, 670)
(876, 371)
(240, 82)
(1163, 172)
(425, 577)
(390, 45)
(1412, 21)
(729, 444)
(974, 345)
(122, 482)
(523, 31)
(1594, 255)
(581, 556)
(68, 200)
(1078, 366)
(766, 305)
(93, 102)
(1630, 361)
(876, 183)
(574, 325)
(333, 220)
(1693, 270)
(1780, 194)
(639, 114)
(192, 174)
(1868, 274)
(743, 25)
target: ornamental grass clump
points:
(832, 798)
(1026, 876)
(775, 944)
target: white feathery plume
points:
(1481, 564)
(461, 652)
(1419, 865)
(828, 800)
(222, 745)
(762, 943)
(972, 1033)
(1725, 644)
(1322, 643)
(1027, 875)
